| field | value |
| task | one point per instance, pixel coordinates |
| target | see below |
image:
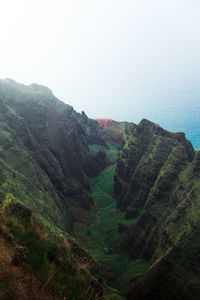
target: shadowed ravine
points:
(99, 237)
(127, 193)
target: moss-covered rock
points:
(44, 151)
(12, 206)
(147, 148)
(162, 188)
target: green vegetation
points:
(110, 150)
(105, 180)
(45, 166)
(160, 174)
(49, 262)
(94, 149)
(100, 236)
(52, 184)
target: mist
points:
(125, 60)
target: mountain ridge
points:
(157, 169)
(127, 193)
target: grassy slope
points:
(36, 263)
(99, 236)
(44, 151)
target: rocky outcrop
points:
(147, 148)
(44, 151)
(48, 155)
(158, 182)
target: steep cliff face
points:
(170, 234)
(147, 148)
(44, 151)
(49, 155)
(56, 173)
(161, 175)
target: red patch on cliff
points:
(113, 129)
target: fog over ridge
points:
(124, 60)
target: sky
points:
(120, 59)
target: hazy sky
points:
(123, 59)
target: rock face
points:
(157, 180)
(147, 148)
(48, 156)
(44, 151)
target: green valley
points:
(94, 209)
(100, 235)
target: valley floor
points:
(100, 234)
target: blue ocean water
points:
(177, 116)
(175, 105)
(173, 113)
(185, 118)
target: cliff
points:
(48, 157)
(129, 195)
(44, 151)
(147, 148)
(157, 181)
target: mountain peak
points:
(32, 88)
(41, 88)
